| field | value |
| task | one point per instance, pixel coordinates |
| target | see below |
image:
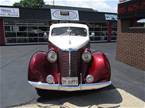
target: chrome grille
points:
(69, 63)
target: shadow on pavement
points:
(108, 95)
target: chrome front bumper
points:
(59, 87)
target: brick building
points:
(131, 33)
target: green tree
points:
(30, 3)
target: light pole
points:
(53, 2)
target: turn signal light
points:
(89, 78)
(50, 79)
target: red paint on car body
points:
(100, 67)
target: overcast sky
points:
(100, 5)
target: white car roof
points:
(68, 24)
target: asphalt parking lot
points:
(128, 89)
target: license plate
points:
(70, 81)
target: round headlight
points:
(86, 56)
(89, 79)
(50, 79)
(52, 56)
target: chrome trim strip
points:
(59, 87)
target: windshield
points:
(72, 31)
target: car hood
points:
(69, 42)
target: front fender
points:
(39, 67)
(100, 67)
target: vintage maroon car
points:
(69, 64)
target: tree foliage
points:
(30, 3)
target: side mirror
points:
(92, 34)
(45, 35)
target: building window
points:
(26, 32)
(133, 25)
